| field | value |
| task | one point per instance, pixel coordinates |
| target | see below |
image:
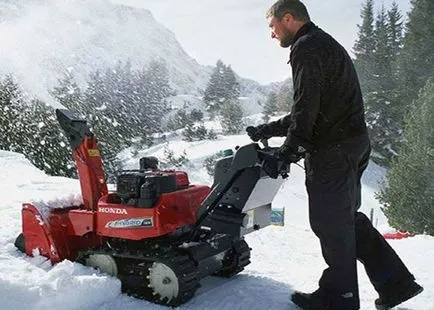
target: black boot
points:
(312, 301)
(396, 294)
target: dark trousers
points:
(334, 188)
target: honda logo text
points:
(112, 210)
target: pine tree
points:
(377, 50)
(69, 94)
(395, 35)
(104, 114)
(232, 117)
(365, 46)
(11, 105)
(285, 98)
(195, 132)
(179, 120)
(382, 52)
(120, 104)
(215, 92)
(196, 115)
(417, 59)
(409, 195)
(98, 101)
(153, 89)
(124, 107)
(395, 29)
(43, 141)
(222, 86)
(95, 98)
(231, 84)
(384, 128)
(270, 107)
(31, 128)
(121, 98)
(173, 162)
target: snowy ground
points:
(283, 258)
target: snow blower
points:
(159, 234)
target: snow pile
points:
(64, 286)
(73, 200)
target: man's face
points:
(281, 30)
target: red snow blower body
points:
(157, 233)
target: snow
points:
(283, 258)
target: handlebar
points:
(264, 142)
(272, 165)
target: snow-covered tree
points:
(172, 161)
(68, 93)
(193, 132)
(194, 128)
(44, 142)
(11, 104)
(123, 106)
(197, 132)
(222, 86)
(231, 84)
(285, 97)
(153, 89)
(382, 107)
(377, 50)
(395, 29)
(408, 196)
(179, 120)
(99, 101)
(365, 46)
(196, 115)
(232, 117)
(270, 107)
(417, 57)
(30, 127)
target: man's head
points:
(285, 18)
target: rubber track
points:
(241, 253)
(135, 268)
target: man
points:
(327, 127)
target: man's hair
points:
(295, 7)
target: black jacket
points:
(328, 104)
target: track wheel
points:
(235, 260)
(105, 263)
(163, 282)
(171, 280)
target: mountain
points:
(40, 39)
(242, 25)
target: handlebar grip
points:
(250, 129)
(271, 164)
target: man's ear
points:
(287, 18)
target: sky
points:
(283, 259)
(237, 31)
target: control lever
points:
(272, 166)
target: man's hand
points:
(287, 155)
(259, 132)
